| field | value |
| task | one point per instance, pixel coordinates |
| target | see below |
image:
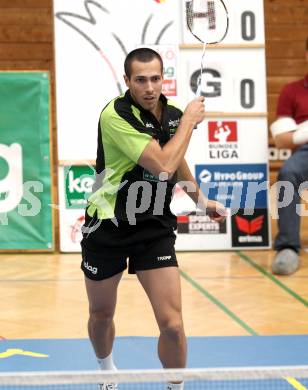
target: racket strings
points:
(212, 25)
(206, 32)
(210, 14)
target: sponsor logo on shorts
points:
(93, 270)
(163, 258)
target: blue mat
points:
(141, 352)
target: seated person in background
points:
(290, 131)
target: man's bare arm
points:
(215, 209)
(157, 159)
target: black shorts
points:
(106, 248)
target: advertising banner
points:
(25, 183)
(250, 229)
(229, 140)
(75, 185)
(234, 185)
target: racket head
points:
(207, 20)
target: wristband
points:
(283, 125)
(300, 136)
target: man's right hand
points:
(157, 159)
(195, 111)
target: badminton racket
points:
(208, 22)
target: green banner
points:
(25, 173)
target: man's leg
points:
(102, 297)
(287, 242)
(163, 288)
(288, 235)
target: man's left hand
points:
(216, 210)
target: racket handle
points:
(198, 92)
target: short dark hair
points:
(143, 54)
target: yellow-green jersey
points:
(121, 185)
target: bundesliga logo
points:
(222, 132)
(222, 137)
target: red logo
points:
(169, 87)
(249, 227)
(182, 219)
(222, 132)
(160, 1)
(76, 229)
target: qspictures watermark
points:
(20, 195)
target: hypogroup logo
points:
(205, 176)
(11, 183)
(236, 186)
(223, 140)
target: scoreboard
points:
(228, 152)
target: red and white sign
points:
(223, 140)
(222, 132)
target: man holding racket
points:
(142, 140)
(290, 131)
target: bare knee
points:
(102, 316)
(173, 330)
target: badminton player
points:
(142, 140)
